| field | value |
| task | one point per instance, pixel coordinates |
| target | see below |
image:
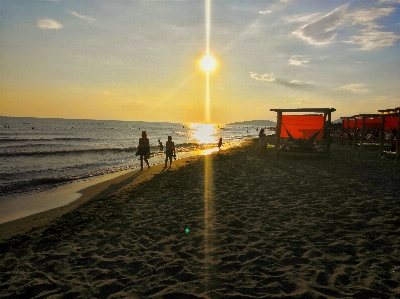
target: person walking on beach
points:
(219, 145)
(169, 151)
(144, 150)
(262, 139)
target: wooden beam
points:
(348, 132)
(398, 136)
(354, 133)
(316, 110)
(328, 146)
(362, 132)
(382, 135)
(278, 133)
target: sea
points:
(42, 153)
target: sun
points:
(208, 63)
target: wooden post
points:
(348, 131)
(278, 133)
(354, 132)
(382, 141)
(362, 132)
(328, 145)
(398, 136)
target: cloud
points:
(264, 12)
(355, 88)
(373, 39)
(370, 38)
(291, 84)
(87, 18)
(324, 30)
(298, 60)
(48, 24)
(264, 77)
(302, 18)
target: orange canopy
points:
(391, 122)
(372, 123)
(302, 126)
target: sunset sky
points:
(139, 60)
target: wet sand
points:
(233, 225)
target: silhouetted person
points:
(144, 150)
(160, 145)
(169, 152)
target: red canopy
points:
(302, 126)
(391, 122)
(348, 123)
(372, 123)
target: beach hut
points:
(367, 122)
(347, 125)
(390, 121)
(361, 126)
(302, 131)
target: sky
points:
(140, 60)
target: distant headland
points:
(259, 123)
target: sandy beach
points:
(233, 225)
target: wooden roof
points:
(317, 110)
(390, 111)
(368, 115)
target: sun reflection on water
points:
(203, 133)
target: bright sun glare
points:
(203, 133)
(208, 63)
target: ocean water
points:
(41, 153)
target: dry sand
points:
(258, 227)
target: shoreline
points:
(78, 193)
(233, 225)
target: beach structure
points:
(301, 132)
(390, 121)
(347, 125)
(368, 122)
(361, 126)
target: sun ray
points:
(208, 25)
(208, 197)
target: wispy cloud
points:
(324, 30)
(283, 82)
(48, 24)
(358, 88)
(373, 39)
(298, 60)
(303, 18)
(370, 38)
(86, 18)
(264, 12)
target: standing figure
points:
(169, 151)
(219, 145)
(144, 150)
(160, 145)
(262, 142)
